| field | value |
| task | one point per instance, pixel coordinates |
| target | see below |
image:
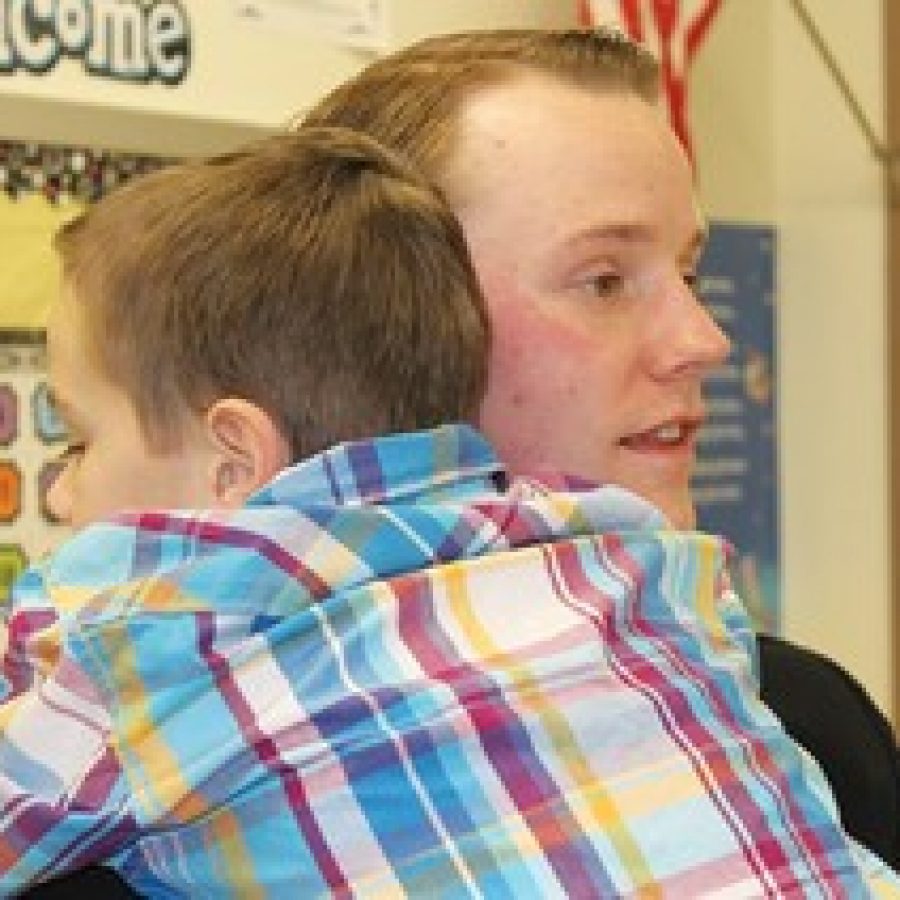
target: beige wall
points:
(776, 143)
(245, 76)
(833, 317)
(732, 86)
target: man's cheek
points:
(530, 360)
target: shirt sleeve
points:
(880, 878)
(61, 787)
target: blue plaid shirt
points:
(390, 675)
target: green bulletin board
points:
(41, 187)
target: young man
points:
(579, 209)
(380, 670)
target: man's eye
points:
(690, 279)
(607, 284)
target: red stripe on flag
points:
(585, 14)
(632, 19)
(677, 44)
(698, 27)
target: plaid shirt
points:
(385, 676)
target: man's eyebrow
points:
(633, 233)
(626, 232)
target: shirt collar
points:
(450, 461)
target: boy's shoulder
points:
(102, 565)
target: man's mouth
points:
(677, 434)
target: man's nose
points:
(690, 342)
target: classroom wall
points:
(833, 318)
(774, 144)
(29, 276)
(731, 96)
(246, 75)
(777, 143)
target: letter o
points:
(73, 25)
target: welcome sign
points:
(123, 39)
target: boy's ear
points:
(248, 450)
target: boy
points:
(212, 330)
(218, 321)
(374, 670)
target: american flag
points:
(672, 29)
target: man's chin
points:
(677, 506)
(686, 518)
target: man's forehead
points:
(546, 93)
(531, 122)
(546, 162)
(533, 118)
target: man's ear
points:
(248, 450)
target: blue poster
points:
(736, 482)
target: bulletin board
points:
(42, 187)
(30, 438)
(736, 485)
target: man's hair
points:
(314, 274)
(411, 100)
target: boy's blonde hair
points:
(314, 274)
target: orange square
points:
(10, 491)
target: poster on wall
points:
(41, 187)
(131, 40)
(736, 481)
(31, 437)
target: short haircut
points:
(314, 274)
(411, 99)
